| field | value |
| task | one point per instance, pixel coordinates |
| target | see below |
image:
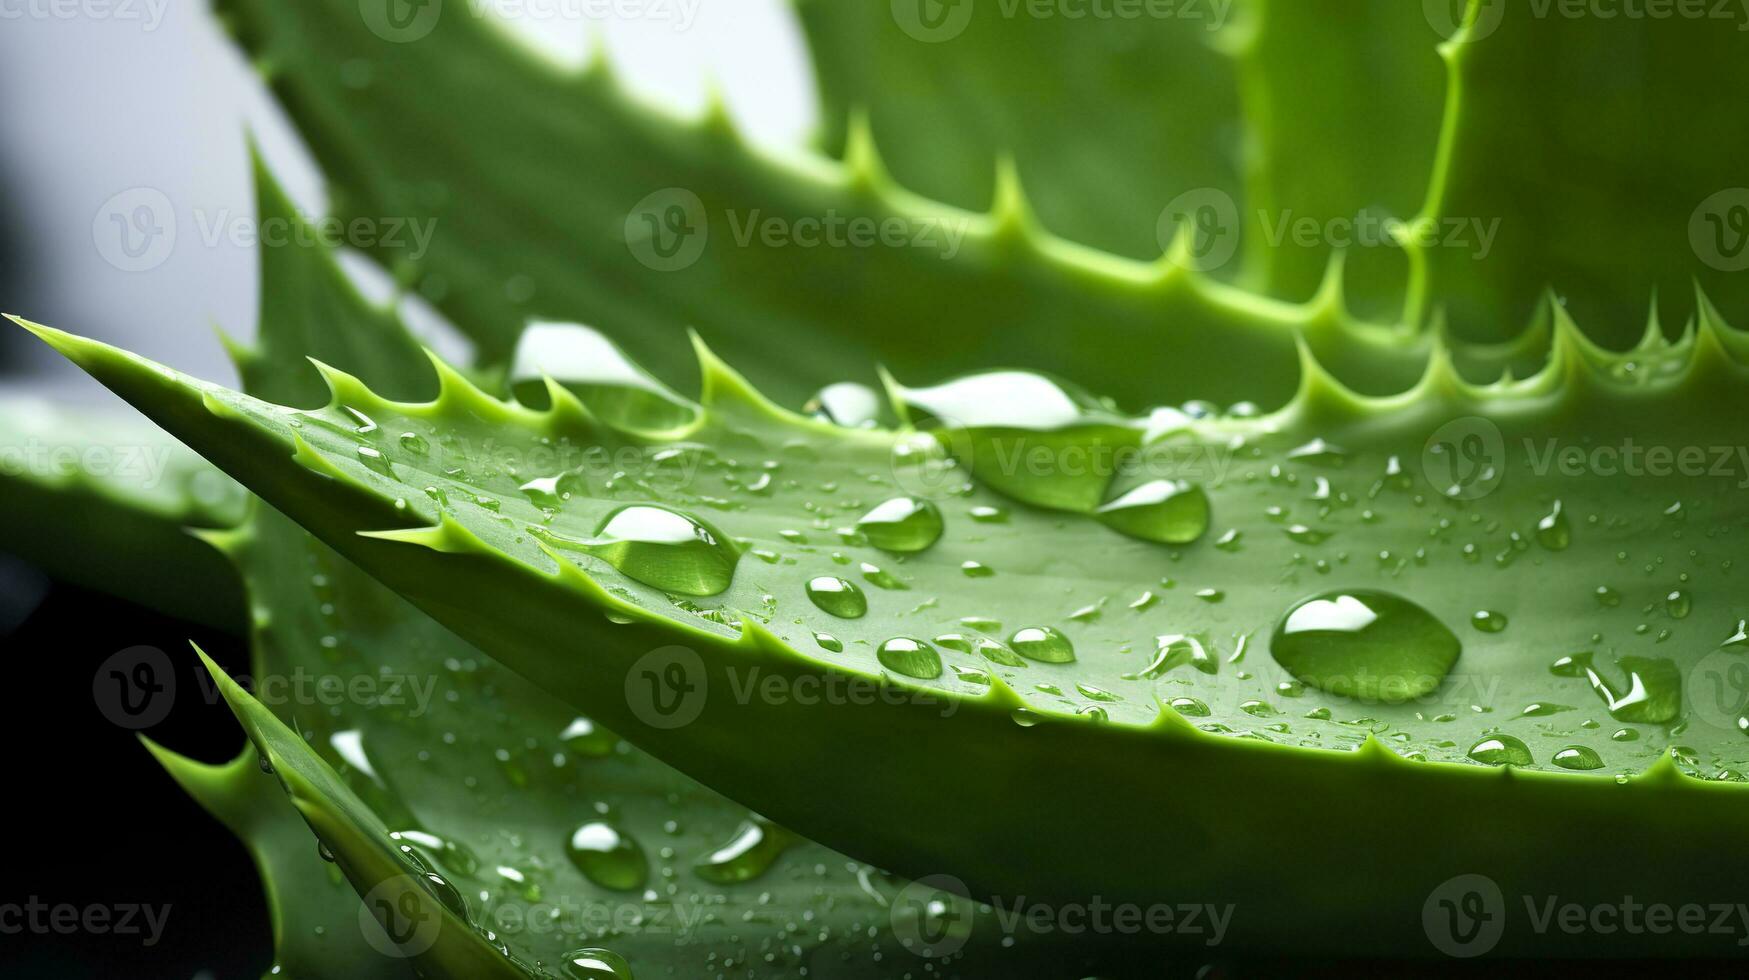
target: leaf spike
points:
(227, 541)
(721, 385)
(456, 389)
(1374, 752)
(565, 409)
(758, 639)
(242, 355)
(344, 390)
(716, 118)
(1662, 773)
(1711, 353)
(568, 575)
(862, 158)
(1572, 354)
(1170, 724)
(448, 536)
(1010, 213)
(222, 790)
(310, 459)
(895, 393)
(1440, 380)
(598, 66)
(1320, 394)
(1331, 300)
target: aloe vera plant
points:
(1017, 643)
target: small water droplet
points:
(1578, 757)
(913, 658)
(902, 524)
(745, 856)
(414, 443)
(1163, 511)
(1553, 531)
(1190, 707)
(607, 857)
(846, 404)
(1501, 750)
(1488, 621)
(1042, 643)
(661, 548)
(838, 597)
(829, 643)
(1678, 604)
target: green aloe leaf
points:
(666, 229)
(1575, 131)
(1553, 649)
(78, 483)
(1074, 101)
(395, 739)
(1344, 103)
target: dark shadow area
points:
(97, 824)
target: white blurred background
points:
(103, 97)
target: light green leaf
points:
(983, 763)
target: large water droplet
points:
(1365, 644)
(902, 524)
(594, 963)
(847, 404)
(1042, 643)
(602, 377)
(838, 597)
(745, 856)
(1501, 750)
(607, 857)
(1164, 511)
(1578, 757)
(1652, 694)
(1032, 437)
(661, 548)
(910, 657)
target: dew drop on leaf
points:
(1366, 644)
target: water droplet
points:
(594, 963)
(414, 443)
(1553, 532)
(829, 643)
(373, 458)
(1578, 757)
(661, 548)
(989, 515)
(363, 424)
(745, 856)
(991, 419)
(846, 404)
(1365, 644)
(1174, 650)
(902, 524)
(1501, 750)
(838, 597)
(1024, 717)
(1042, 643)
(1318, 452)
(1190, 707)
(1652, 695)
(586, 738)
(1679, 604)
(976, 569)
(1488, 621)
(1607, 597)
(1307, 535)
(1163, 511)
(910, 657)
(881, 579)
(610, 384)
(607, 857)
